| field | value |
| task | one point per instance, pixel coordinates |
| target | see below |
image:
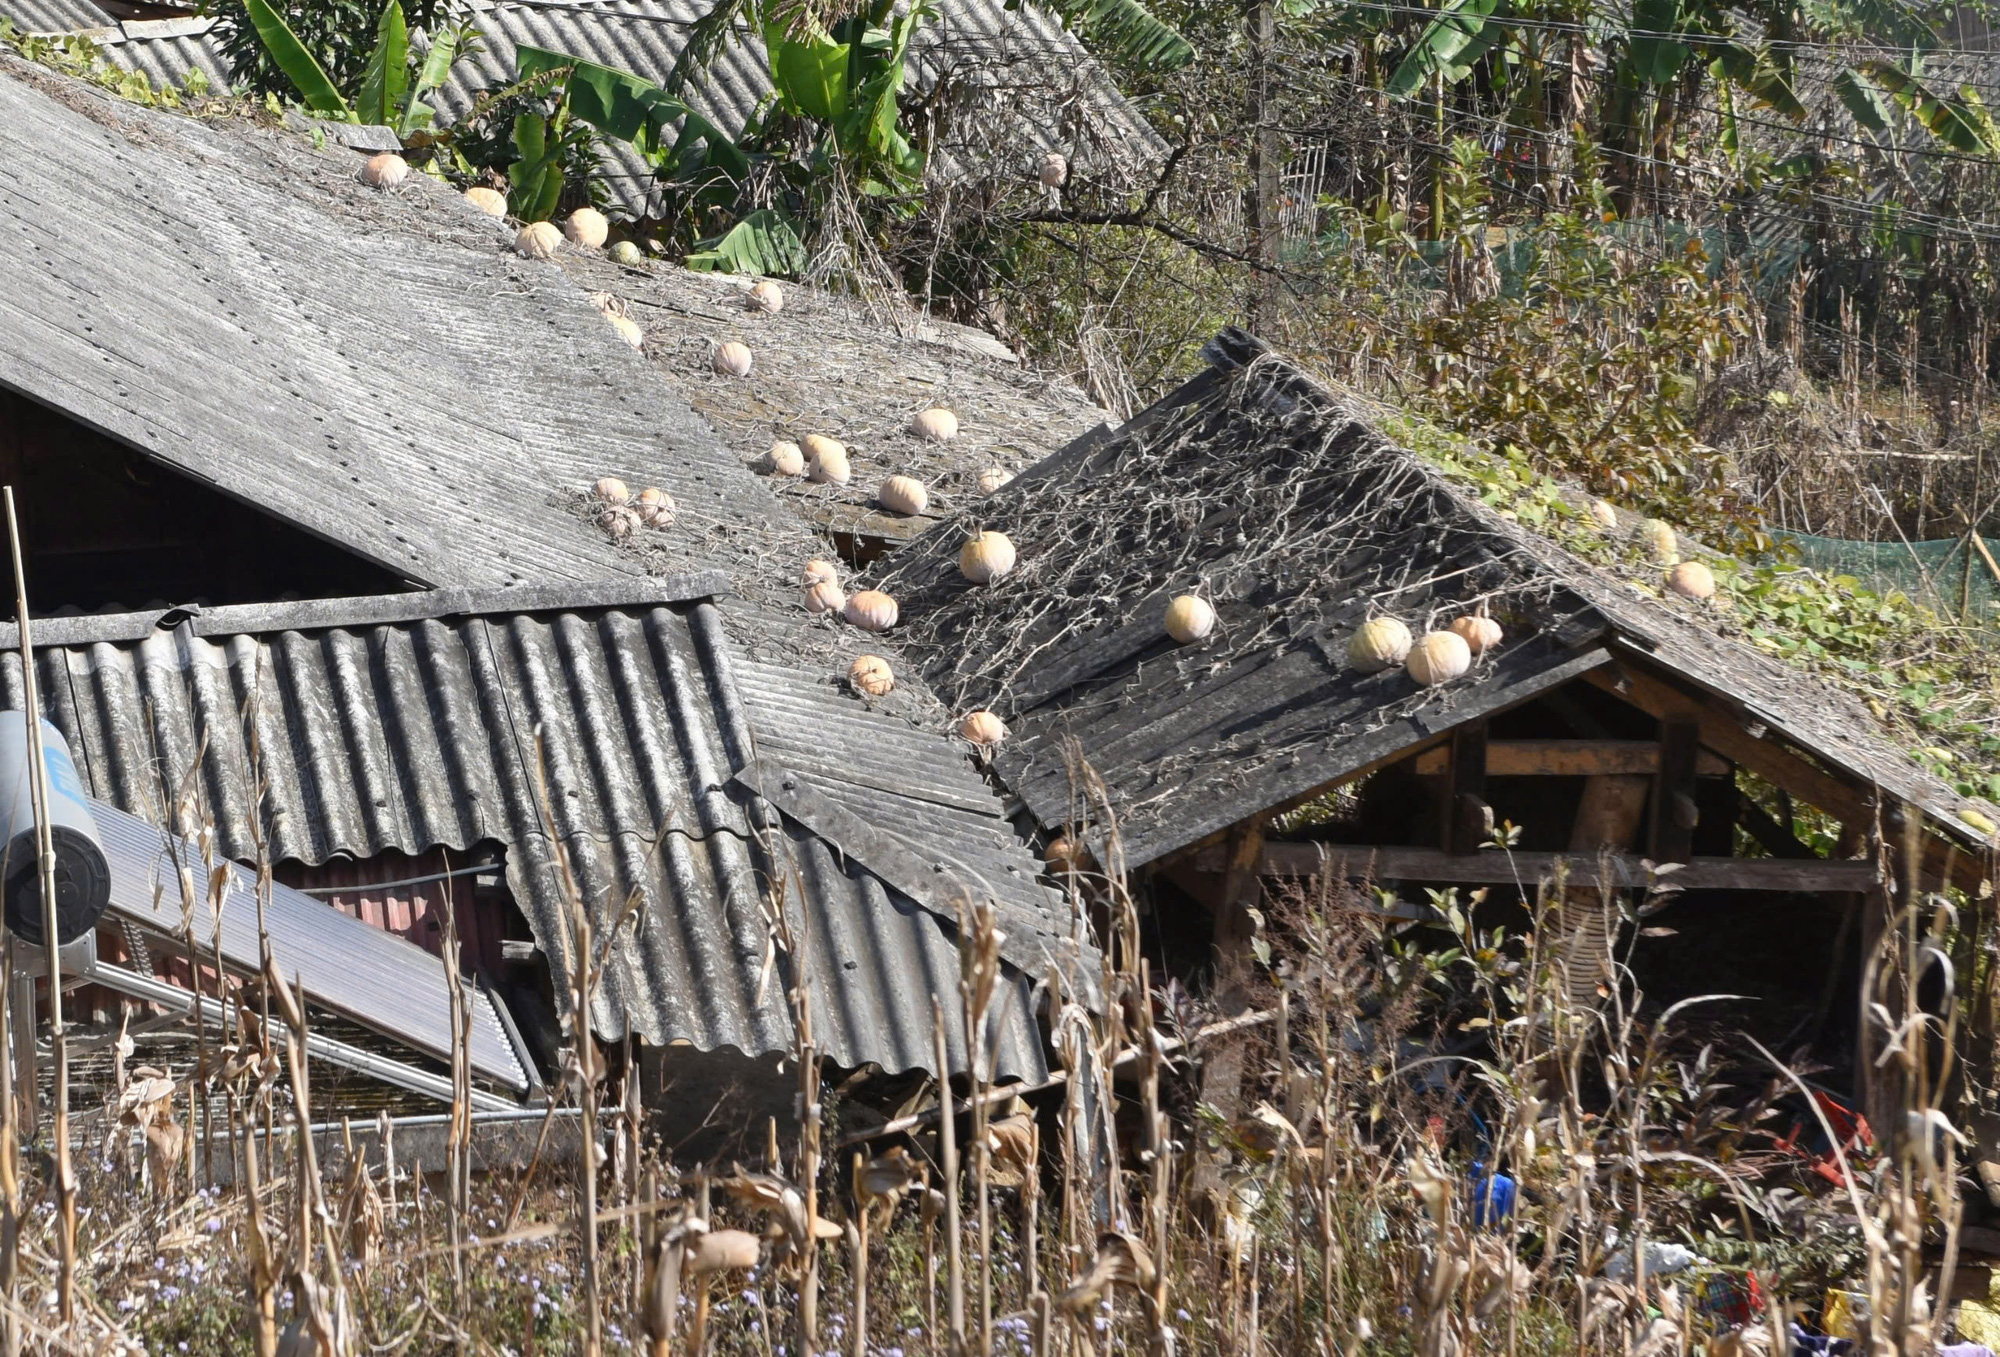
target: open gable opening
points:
(106, 529)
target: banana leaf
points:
(810, 76)
(1655, 55)
(628, 108)
(1451, 43)
(1863, 99)
(764, 241)
(385, 84)
(1125, 29)
(291, 57)
(868, 129)
(535, 179)
(1961, 124)
(1753, 71)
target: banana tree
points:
(392, 84)
(1670, 48)
(836, 93)
(1125, 31)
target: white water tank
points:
(83, 875)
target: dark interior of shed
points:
(106, 529)
(1789, 956)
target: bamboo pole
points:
(45, 862)
(10, 1162)
(948, 1169)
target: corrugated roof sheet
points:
(425, 732)
(377, 367)
(1190, 739)
(1019, 83)
(53, 16)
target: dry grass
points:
(1334, 1214)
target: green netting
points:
(1948, 576)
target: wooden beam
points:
(1493, 867)
(1573, 758)
(1725, 734)
(1778, 841)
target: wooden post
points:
(1468, 819)
(1608, 818)
(1675, 813)
(1260, 24)
(1880, 1089)
(1242, 889)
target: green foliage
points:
(762, 242)
(1449, 46)
(483, 148)
(1587, 362)
(75, 54)
(385, 84)
(1961, 124)
(1125, 30)
(300, 67)
(339, 36)
(746, 203)
(1652, 53)
(389, 92)
(535, 178)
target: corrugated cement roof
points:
(824, 366)
(388, 724)
(378, 368)
(53, 16)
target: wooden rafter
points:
(1572, 758)
(1494, 867)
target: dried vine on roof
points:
(1262, 494)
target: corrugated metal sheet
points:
(426, 733)
(375, 367)
(374, 977)
(53, 16)
(1020, 83)
(410, 897)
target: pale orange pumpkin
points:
(903, 495)
(983, 728)
(1190, 618)
(732, 359)
(871, 674)
(824, 597)
(538, 240)
(1692, 579)
(986, 557)
(385, 171)
(587, 227)
(1438, 657)
(871, 610)
(1481, 634)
